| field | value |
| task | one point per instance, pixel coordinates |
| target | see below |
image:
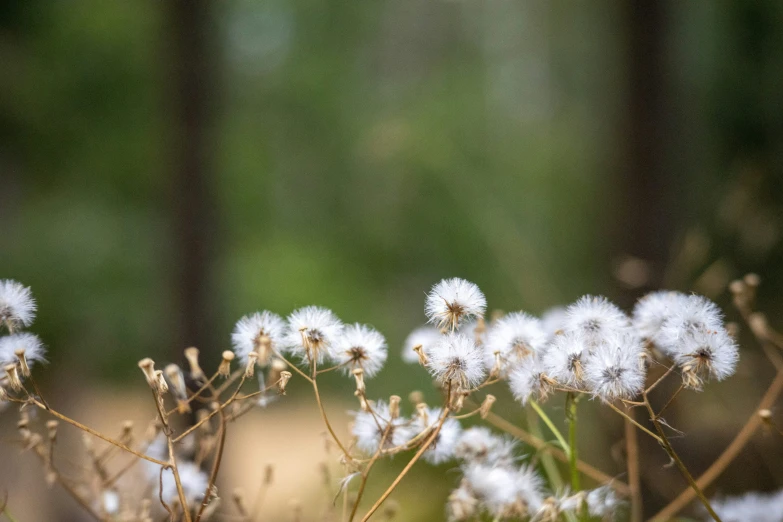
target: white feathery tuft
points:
(312, 332)
(360, 346)
(452, 300)
(456, 359)
(17, 306)
(514, 338)
(251, 328)
(425, 336)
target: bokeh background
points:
(170, 166)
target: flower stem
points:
(571, 406)
(551, 425)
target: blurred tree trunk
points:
(192, 75)
(644, 223)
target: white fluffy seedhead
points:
(453, 300)
(194, 483)
(692, 315)
(442, 448)
(426, 337)
(506, 492)
(705, 354)
(360, 346)
(478, 445)
(528, 379)
(553, 320)
(17, 306)
(34, 350)
(457, 360)
(512, 339)
(565, 357)
(654, 310)
(595, 318)
(753, 506)
(615, 369)
(252, 331)
(369, 427)
(312, 332)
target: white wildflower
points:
(512, 339)
(564, 359)
(360, 346)
(312, 332)
(462, 504)
(452, 300)
(478, 445)
(753, 506)
(690, 315)
(369, 428)
(654, 310)
(194, 483)
(17, 306)
(34, 350)
(457, 360)
(705, 354)
(528, 379)
(256, 333)
(553, 320)
(595, 318)
(614, 370)
(442, 448)
(506, 492)
(426, 337)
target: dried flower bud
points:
(225, 365)
(422, 411)
(127, 432)
(13, 377)
(394, 406)
(252, 357)
(238, 496)
(51, 427)
(160, 382)
(358, 374)
(176, 381)
(752, 280)
(285, 376)
(191, 354)
(362, 401)
(486, 406)
(147, 365)
(758, 324)
(416, 397)
(765, 415)
(422, 356)
(23, 362)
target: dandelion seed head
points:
(457, 360)
(705, 354)
(528, 379)
(554, 320)
(194, 482)
(425, 336)
(17, 306)
(595, 318)
(654, 310)
(452, 300)
(514, 338)
(478, 445)
(691, 315)
(506, 492)
(312, 332)
(442, 448)
(34, 350)
(369, 427)
(753, 506)
(359, 346)
(252, 330)
(613, 370)
(564, 358)
(462, 504)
